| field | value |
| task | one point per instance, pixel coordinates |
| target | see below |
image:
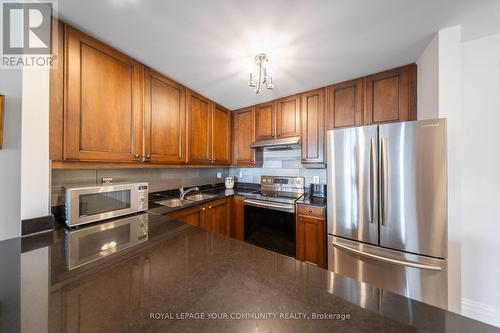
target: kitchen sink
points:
(200, 196)
(175, 202)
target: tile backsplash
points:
(158, 179)
(276, 163)
(279, 163)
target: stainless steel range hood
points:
(278, 144)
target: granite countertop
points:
(312, 201)
(219, 191)
(184, 278)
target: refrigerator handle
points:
(383, 178)
(373, 174)
(387, 260)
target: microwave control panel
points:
(142, 197)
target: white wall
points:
(450, 107)
(467, 92)
(439, 96)
(428, 81)
(35, 168)
(10, 155)
(481, 179)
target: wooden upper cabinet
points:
(56, 93)
(104, 105)
(265, 122)
(243, 136)
(288, 117)
(221, 135)
(313, 127)
(345, 104)
(199, 128)
(164, 119)
(391, 95)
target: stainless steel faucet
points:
(184, 192)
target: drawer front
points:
(314, 211)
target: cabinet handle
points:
(301, 220)
(203, 208)
(148, 156)
(137, 156)
(309, 210)
(209, 207)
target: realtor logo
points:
(26, 33)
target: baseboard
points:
(480, 311)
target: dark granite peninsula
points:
(181, 278)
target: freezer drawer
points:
(417, 277)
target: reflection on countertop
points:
(179, 271)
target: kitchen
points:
(144, 180)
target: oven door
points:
(271, 226)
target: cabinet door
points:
(265, 121)
(56, 93)
(238, 217)
(199, 132)
(104, 89)
(219, 216)
(221, 135)
(243, 137)
(164, 119)
(313, 126)
(345, 104)
(311, 240)
(288, 117)
(390, 96)
(194, 216)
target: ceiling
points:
(209, 45)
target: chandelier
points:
(264, 75)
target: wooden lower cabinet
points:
(310, 229)
(238, 217)
(194, 216)
(218, 216)
(214, 215)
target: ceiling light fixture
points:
(264, 74)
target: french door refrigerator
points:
(387, 207)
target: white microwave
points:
(96, 203)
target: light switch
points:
(316, 179)
(219, 175)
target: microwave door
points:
(352, 182)
(413, 190)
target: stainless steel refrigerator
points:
(387, 207)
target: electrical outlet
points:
(241, 174)
(316, 179)
(219, 175)
(106, 180)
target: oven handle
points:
(257, 203)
